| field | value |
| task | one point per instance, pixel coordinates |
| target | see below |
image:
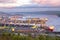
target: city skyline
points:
(31, 6)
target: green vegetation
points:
(12, 36)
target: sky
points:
(14, 3)
(48, 2)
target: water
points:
(52, 19)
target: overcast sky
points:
(7, 1)
(48, 2)
(13, 3)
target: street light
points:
(13, 29)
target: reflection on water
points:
(52, 20)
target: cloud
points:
(7, 1)
(48, 2)
(13, 3)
